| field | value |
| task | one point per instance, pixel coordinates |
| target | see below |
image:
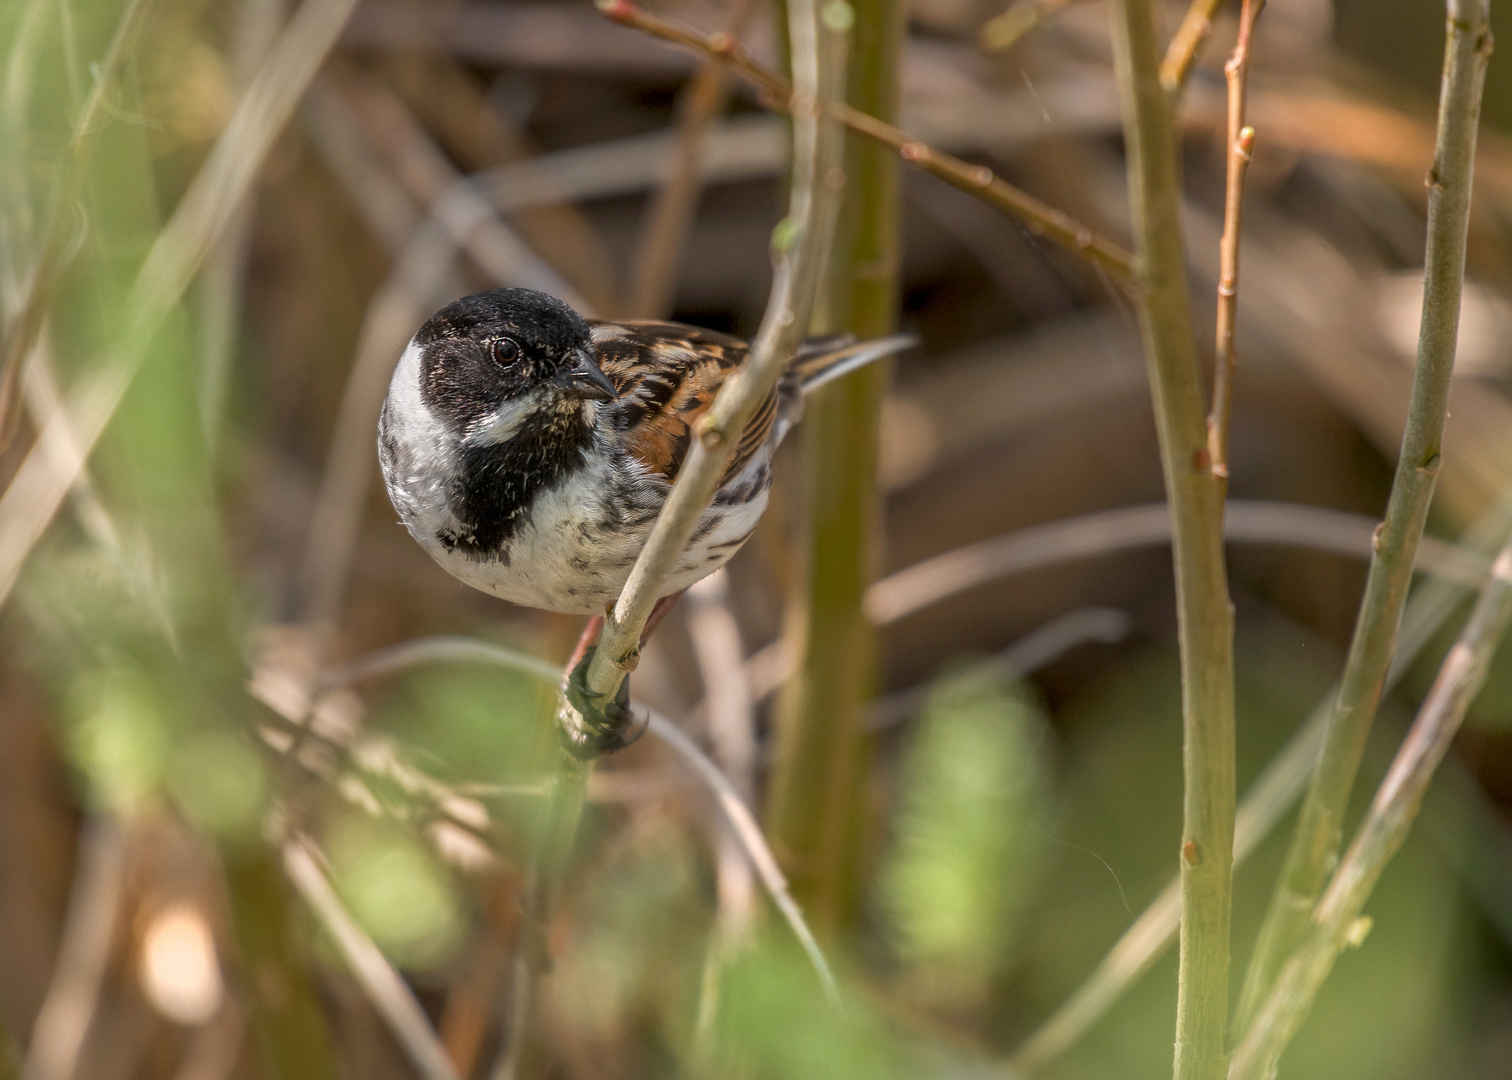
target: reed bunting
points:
(529, 450)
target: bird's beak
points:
(586, 379)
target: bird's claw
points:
(602, 724)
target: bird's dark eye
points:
(506, 351)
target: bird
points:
(529, 450)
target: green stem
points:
(1320, 828)
(1204, 614)
(816, 812)
(1337, 922)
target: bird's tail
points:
(820, 360)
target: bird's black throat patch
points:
(496, 485)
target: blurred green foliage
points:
(396, 889)
(1122, 762)
(119, 738)
(778, 1025)
(634, 962)
(972, 812)
(472, 722)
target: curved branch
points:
(1247, 521)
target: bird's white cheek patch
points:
(504, 422)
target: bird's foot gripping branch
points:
(601, 724)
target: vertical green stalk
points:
(818, 787)
(1204, 614)
(1320, 828)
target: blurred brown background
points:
(449, 147)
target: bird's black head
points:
(487, 350)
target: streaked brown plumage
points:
(530, 451)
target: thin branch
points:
(977, 180)
(223, 280)
(24, 324)
(798, 250)
(1181, 53)
(384, 986)
(1320, 827)
(1241, 147)
(1336, 922)
(1205, 619)
(39, 485)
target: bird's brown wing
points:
(667, 375)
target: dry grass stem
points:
(1021, 659)
(223, 282)
(665, 227)
(725, 790)
(39, 486)
(384, 987)
(451, 197)
(1035, 547)
(24, 321)
(478, 134)
(977, 180)
(731, 723)
(387, 210)
(749, 833)
(1320, 828)
(1336, 922)
(432, 650)
(89, 932)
